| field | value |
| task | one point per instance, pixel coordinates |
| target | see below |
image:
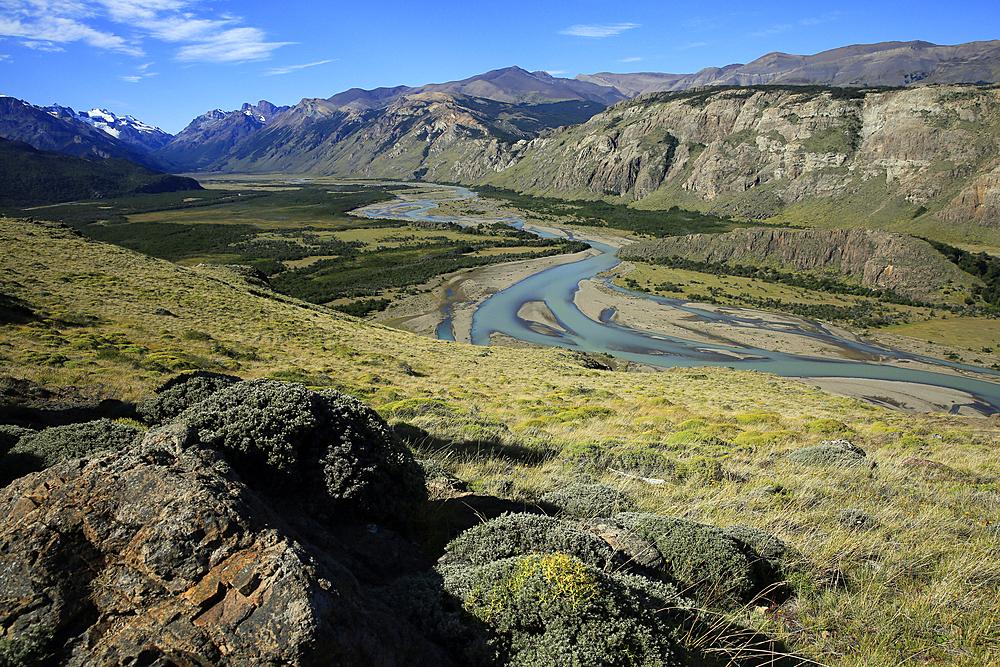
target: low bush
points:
(712, 565)
(10, 435)
(41, 449)
(584, 501)
(555, 609)
(325, 446)
(181, 392)
(512, 535)
(828, 456)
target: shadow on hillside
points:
(472, 448)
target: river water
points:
(557, 286)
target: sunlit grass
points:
(919, 586)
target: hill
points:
(921, 161)
(185, 526)
(872, 259)
(33, 177)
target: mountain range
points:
(908, 130)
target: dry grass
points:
(920, 586)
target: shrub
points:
(828, 456)
(416, 407)
(828, 427)
(10, 435)
(584, 501)
(519, 534)
(768, 439)
(181, 392)
(41, 449)
(325, 446)
(758, 417)
(642, 461)
(588, 457)
(554, 609)
(703, 559)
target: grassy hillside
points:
(894, 562)
(30, 177)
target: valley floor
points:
(459, 296)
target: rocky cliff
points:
(875, 259)
(880, 158)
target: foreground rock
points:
(152, 556)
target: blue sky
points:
(167, 61)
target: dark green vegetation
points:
(800, 280)
(674, 222)
(980, 264)
(301, 223)
(326, 445)
(366, 274)
(30, 177)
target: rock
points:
(171, 560)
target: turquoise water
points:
(557, 286)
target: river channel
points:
(569, 327)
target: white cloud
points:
(50, 29)
(692, 45)
(275, 71)
(143, 72)
(201, 36)
(556, 72)
(598, 30)
(630, 60)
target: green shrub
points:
(642, 461)
(714, 566)
(10, 435)
(28, 649)
(554, 609)
(758, 417)
(585, 501)
(828, 427)
(410, 408)
(324, 446)
(767, 551)
(519, 534)
(45, 448)
(768, 439)
(828, 456)
(181, 392)
(590, 457)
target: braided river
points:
(961, 389)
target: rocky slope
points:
(20, 121)
(882, 64)
(430, 135)
(833, 157)
(875, 259)
(216, 132)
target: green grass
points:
(918, 587)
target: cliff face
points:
(755, 151)
(876, 259)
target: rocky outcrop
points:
(162, 555)
(754, 151)
(875, 259)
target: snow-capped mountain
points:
(124, 128)
(61, 129)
